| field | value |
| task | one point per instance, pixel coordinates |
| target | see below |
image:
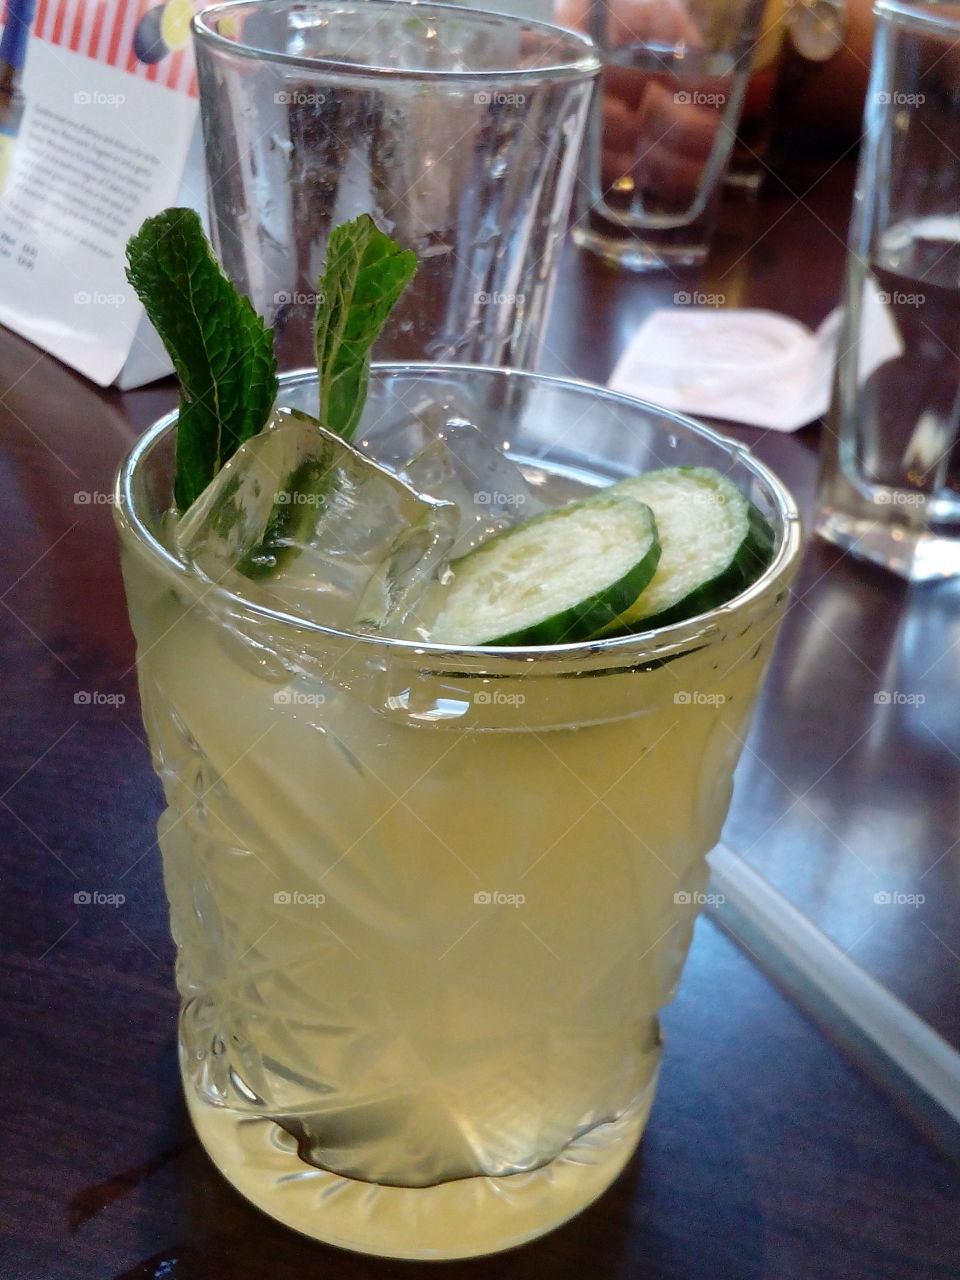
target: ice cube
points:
(298, 520)
(401, 427)
(461, 465)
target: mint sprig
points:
(364, 275)
(223, 352)
(221, 349)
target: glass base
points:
(912, 554)
(633, 254)
(459, 1219)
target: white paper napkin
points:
(749, 366)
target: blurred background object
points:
(672, 87)
(757, 120)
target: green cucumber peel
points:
(715, 544)
(557, 578)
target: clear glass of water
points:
(663, 125)
(890, 478)
(429, 901)
(457, 130)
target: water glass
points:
(458, 130)
(890, 478)
(660, 136)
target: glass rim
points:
(666, 640)
(583, 63)
(922, 13)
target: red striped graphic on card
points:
(148, 39)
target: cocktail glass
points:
(428, 901)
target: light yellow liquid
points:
(458, 1074)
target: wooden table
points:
(770, 1155)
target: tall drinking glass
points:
(458, 130)
(428, 901)
(663, 125)
(890, 477)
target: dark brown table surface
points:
(770, 1155)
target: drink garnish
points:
(553, 581)
(221, 349)
(715, 544)
(556, 578)
(650, 551)
(364, 275)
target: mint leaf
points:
(221, 350)
(364, 275)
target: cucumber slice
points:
(556, 578)
(714, 544)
